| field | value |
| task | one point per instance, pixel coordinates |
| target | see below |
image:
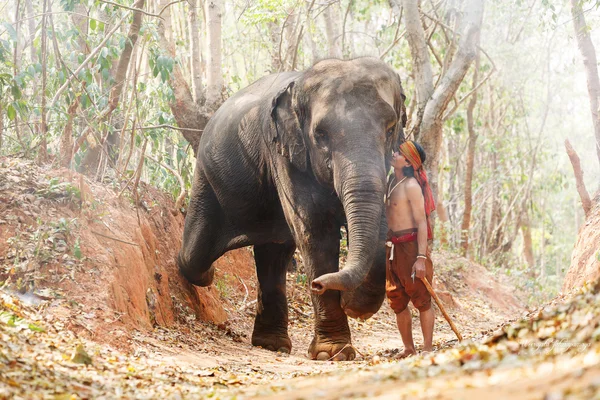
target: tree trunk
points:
(348, 12)
(19, 43)
(453, 156)
(543, 240)
(134, 72)
(81, 23)
(481, 237)
(443, 217)
(588, 53)
(33, 54)
(432, 103)
(275, 36)
(290, 30)
(422, 71)
(123, 65)
(185, 110)
(91, 163)
(332, 30)
(214, 81)
(43, 151)
(466, 222)
(16, 63)
(528, 243)
(495, 214)
(196, 61)
(31, 22)
(66, 142)
(430, 132)
(586, 202)
(310, 44)
(1, 126)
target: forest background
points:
(121, 91)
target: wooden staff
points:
(441, 307)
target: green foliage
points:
(302, 279)
(222, 287)
(59, 189)
(77, 250)
(161, 65)
(12, 321)
(263, 11)
(69, 5)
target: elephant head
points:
(342, 119)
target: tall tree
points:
(191, 117)
(195, 58)
(590, 62)
(332, 29)
(275, 36)
(433, 100)
(117, 89)
(31, 23)
(43, 152)
(79, 19)
(468, 193)
(17, 62)
(214, 80)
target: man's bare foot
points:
(405, 354)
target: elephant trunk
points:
(362, 199)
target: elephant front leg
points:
(271, 323)
(332, 335)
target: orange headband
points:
(410, 152)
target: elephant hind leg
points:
(271, 323)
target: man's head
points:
(410, 157)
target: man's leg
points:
(404, 321)
(427, 320)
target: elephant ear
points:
(287, 135)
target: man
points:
(409, 202)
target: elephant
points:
(281, 165)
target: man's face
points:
(399, 161)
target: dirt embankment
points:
(585, 260)
(61, 235)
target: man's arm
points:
(417, 206)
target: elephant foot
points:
(324, 349)
(273, 342)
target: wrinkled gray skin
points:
(280, 166)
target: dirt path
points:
(553, 352)
(192, 358)
(92, 306)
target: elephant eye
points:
(321, 138)
(390, 131)
(320, 133)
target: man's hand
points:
(419, 268)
